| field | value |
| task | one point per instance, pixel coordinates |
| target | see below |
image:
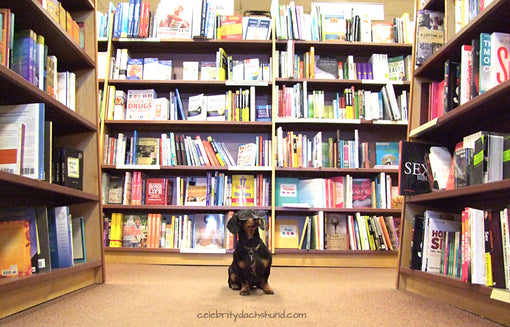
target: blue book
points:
(136, 19)
(124, 27)
(59, 230)
(287, 191)
(180, 108)
(117, 21)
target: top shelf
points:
(30, 14)
(494, 18)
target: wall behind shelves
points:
(392, 8)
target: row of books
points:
(338, 192)
(379, 67)
(75, 29)
(472, 245)
(199, 19)
(213, 189)
(482, 66)
(38, 239)
(298, 102)
(479, 158)
(333, 231)
(176, 149)
(338, 21)
(238, 104)
(201, 232)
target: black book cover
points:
(417, 244)
(451, 90)
(72, 168)
(414, 168)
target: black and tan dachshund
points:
(251, 265)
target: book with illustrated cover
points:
(429, 34)
(361, 193)
(333, 26)
(336, 232)
(396, 67)
(387, 154)
(256, 28)
(15, 258)
(135, 231)
(287, 190)
(134, 68)
(196, 191)
(156, 191)
(243, 188)
(173, 19)
(231, 27)
(326, 67)
(382, 32)
(147, 151)
(196, 107)
(216, 107)
(208, 231)
(139, 104)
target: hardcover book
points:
(155, 191)
(147, 151)
(500, 49)
(387, 154)
(135, 231)
(333, 26)
(243, 188)
(382, 32)
(173, 19)
(286, 233)
(196, 191)
(287, 190)
(361, 193)
(72, 163)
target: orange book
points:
(231, 27)
(385, 232)
(15, 258)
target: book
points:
(436, 225)
(243, 188)
(216, 107)
(500, 49)
(32, 117)
(286, 233)
(196, 191)
(256, 28)
(174, 19)
(336, 232)
(190, 70)
(207, 70)
(15, 256)
(231, 27)
(333, 26)
(287, 190)
(147, 151)
(312, 192)
(382, 32)
(396, 68)
(429, 33)
(135, 68)
(134, 231)
(139, 104)
(79, 246)
(72, 172)
(151, 69)
(440, 160)
(247, 154)
(361, 193)
(387, 154)
(326, 67)
(485, 62)
(221, 64)
(197, 107)
(208, 231)
(156, 191)
(413, 168)
(59, 229)
(11, 147)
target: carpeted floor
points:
(156, 295)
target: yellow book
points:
(286, 234)
(15, 258)
(303, 233)
(243, 190)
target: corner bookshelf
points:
(73, 128)
(483, 112)
(233, 132)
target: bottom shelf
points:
(282, 257)
(23, 293)
(472, 298)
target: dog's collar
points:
(251, 250)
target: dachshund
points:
(252, 260)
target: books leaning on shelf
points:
(429, 33)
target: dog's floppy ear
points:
(233, 224)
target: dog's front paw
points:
(245, 290)
(267, 289)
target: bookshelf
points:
(483, 112)
(370, 130)
(74, 128)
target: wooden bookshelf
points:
(198, 49)
(483, 112)
(73, 128)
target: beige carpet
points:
(152, 295)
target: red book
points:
(155, 193)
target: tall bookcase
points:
(235, 132)
(484, 112)
(77, 129)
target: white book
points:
(71, 91)
(32, 116)
(476, 228)
(119, 107)
(392, 99)
(151, 69)
(161, 108)
(196, 107)
(465, 74)
(500, 44)
(139, 104)
(216, 107)
(190, 70)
